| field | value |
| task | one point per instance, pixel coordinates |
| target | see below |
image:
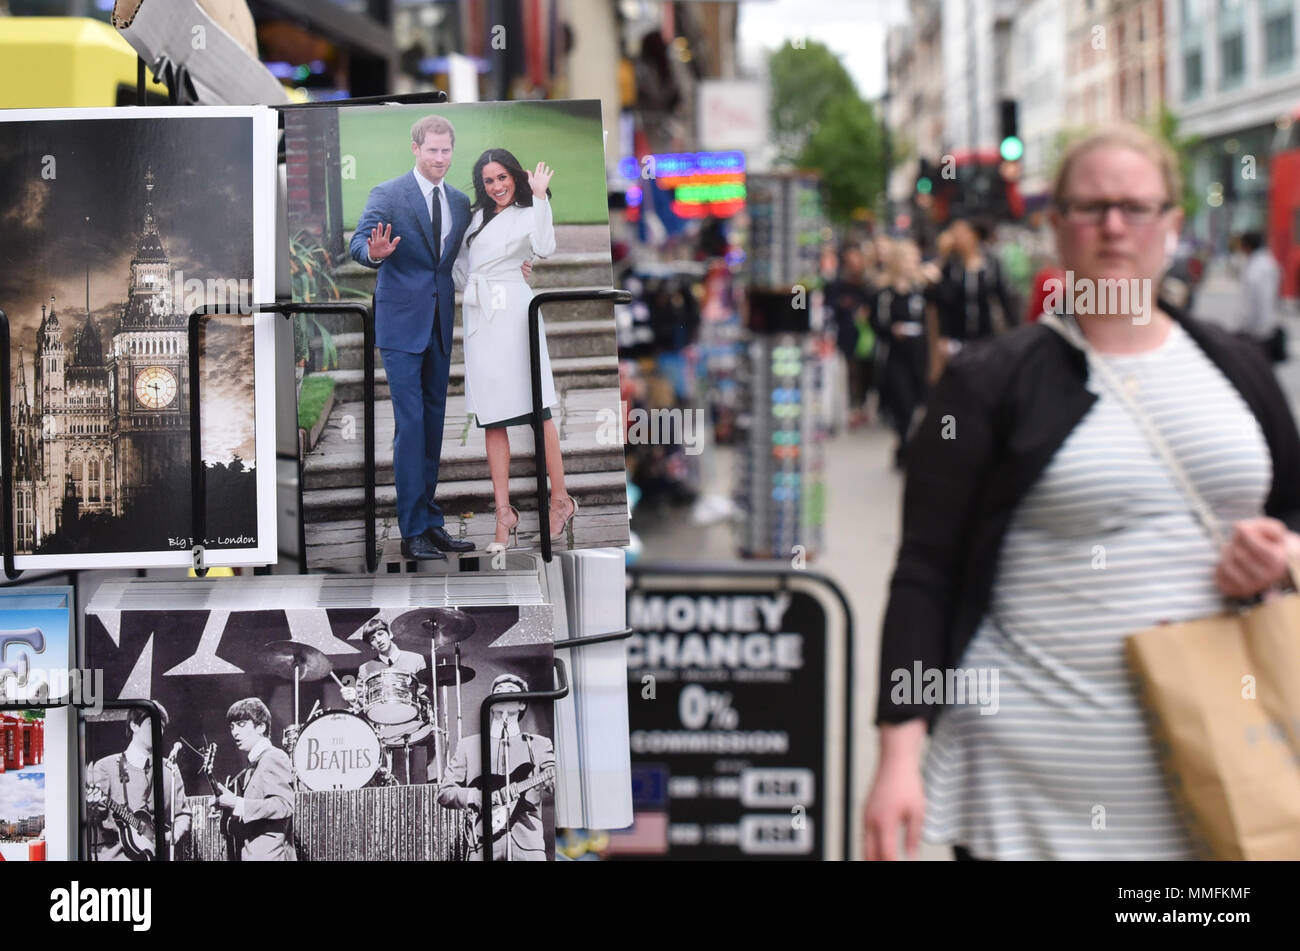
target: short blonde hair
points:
(1122, 136)
(435, 125)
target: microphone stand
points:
(171, 837)
(504, 756)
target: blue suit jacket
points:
(409, 278)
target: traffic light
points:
(925, 177)
(1011, 148)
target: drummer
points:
(377, 634)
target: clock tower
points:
(148, 369)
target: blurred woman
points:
(1041, 527)
(971, 282)
(899, 319)
(849, 299)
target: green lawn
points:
(568, 139)
(316, 391)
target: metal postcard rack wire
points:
(178, 83)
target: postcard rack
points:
(288, 308)
(198, 488)
(178, 83)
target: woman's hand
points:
(897, 796)
(1255, 558)
(539, 179)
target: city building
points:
(1037, 84)
(1232, 76)
(976, 49)
(1114, 61)
(914, 105)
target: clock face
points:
(155, 387)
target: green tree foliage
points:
(820, 123)
(1165, 127)
(803, 82)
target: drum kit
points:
(393, 710)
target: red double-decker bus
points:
(1284, 204)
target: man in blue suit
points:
(411, 230)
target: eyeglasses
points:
(1136, 213)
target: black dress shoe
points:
(420, 548)
(443, 542)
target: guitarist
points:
(262, 801)
(127, 778)
(517, 756)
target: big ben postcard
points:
(116, 225)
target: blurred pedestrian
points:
(1260, 283)
(899, 318)
(849, 298)
(1042, 526)
(964, 297)
(1049, 277)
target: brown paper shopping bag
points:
(1224, 695)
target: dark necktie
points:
(437, 223)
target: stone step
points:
(337, 462)
(569, 338)
(569, 373)
(464, 497)
(340, 546)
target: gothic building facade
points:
(97, 427)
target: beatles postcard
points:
(324, 734)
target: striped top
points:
(1102, 546)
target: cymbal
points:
(280, 657)
(444, 626)
(447, 675)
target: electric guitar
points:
(134, 829)
(209, 754)
(505, 797)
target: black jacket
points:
(964, 315)
(1007, 404)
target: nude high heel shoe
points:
(507, 522)
(557, 533)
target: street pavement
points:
(864, 497)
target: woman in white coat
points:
(510, 222)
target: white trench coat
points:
(495, 311)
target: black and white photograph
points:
(326, 734)
(115, 228)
